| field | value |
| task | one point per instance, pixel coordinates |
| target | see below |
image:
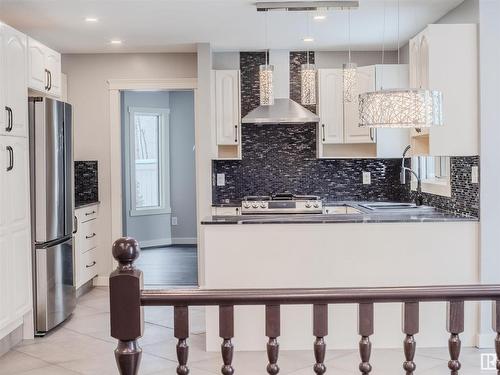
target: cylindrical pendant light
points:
(401, 108)
(308, 74)
(266, 76)
(349, 72)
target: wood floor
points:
(169, 266)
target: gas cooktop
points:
(281, 203)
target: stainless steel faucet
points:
(402, 177)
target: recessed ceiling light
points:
(91, 19)
(116, 41)
(319, 17)
(308, 39)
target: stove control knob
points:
(255, 205)
(246, 204)
(263, 205)
(308, 204)
(316, 205)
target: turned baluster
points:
(496, 327)
(126, 313)
(226, 332)
(320, 330)
(410, 328)
(273, 332)
(365, 329)
(455, 326)
(181, 332)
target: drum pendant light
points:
(266, 75)
(308, 76)
(350, 69)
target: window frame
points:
(440, 185)
(163, 161)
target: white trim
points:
(184, 241)
(115, 86)
(485, 340)
(155, 243)
(164, 161)
(153, 84)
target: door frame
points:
(115, 87)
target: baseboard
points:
(155, 243)
(184, 241)
(11, 339)
(485, 340)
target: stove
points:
(281, 204)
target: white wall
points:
(466, 12)
(88, 92)
(335, 59)
(149, 230)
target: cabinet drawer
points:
(334, 210)
(87, 213)
(87, 233)
(226, 211)
(88, 266)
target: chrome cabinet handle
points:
(10, 119)
(323, 131)
(91, 236)
(89, 213)
(50, 80)
(372, 137)
(75, 224)
(235, 133)
(11, 158)
(46, 79)
(91, 264)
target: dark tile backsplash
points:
(282, 158)
(86, 182)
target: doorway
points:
(159, 183)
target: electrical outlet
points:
(174, 220)
(475, 174)
(221, 179)
(367, 178)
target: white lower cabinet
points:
(15, 234)
(86, 240)
(226, 211)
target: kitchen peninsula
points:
(349, 250)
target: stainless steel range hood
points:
(284, 110)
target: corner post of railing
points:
(126, 313)
(496, 327)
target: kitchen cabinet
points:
(226, 211)
(444, 57)
(226, 113)
(44, 69)
(13, 90)
(86, 243)
(15, 233)
(339, 134)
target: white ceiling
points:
(176, 25)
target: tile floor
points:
(83, 346)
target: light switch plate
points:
(367, 178)
(475, 174)
(174, 220)
(221, 179)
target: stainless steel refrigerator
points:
(51, 156)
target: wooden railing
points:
(127, 299)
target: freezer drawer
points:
(55, 289)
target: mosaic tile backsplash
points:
(86, 182)
(282, 158)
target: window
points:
(435, 174)
(149, 162)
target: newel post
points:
(125, 284)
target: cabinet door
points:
(413, 63)
(3, 112)
(21, 278)
(37, 76)
(5, 281)
(331, 101)
(422, 68)
(16, 90)
(227, 106)
(353, 133)
(53, 65)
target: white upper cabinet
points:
(14, 91)
(331, 102)
(44, 69)
(227, 106)
(444, 57)
(365, 83)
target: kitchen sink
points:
(392, 206)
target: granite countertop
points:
(424, 214)
(229, 203)
(85, 204)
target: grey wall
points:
(466, 12)
(182, 166)
(157, 228)
(147, 229)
